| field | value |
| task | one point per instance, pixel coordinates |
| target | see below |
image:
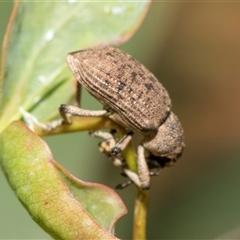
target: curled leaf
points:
(62, 205)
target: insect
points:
(133, 97)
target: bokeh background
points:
(194, 49)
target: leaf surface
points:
(62, 205)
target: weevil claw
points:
(62, 108)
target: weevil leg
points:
(32, 120)
(108, 141)
(76, 111)
(78, 94)
(66, 112)
(132, 176)
(104, 135)
(66, 117)
(124, 185)
(53, 124)
(106, 145)
(142, 166)
(121, 144)
(142, 179)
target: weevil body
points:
(136, 99)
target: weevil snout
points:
(168, 142)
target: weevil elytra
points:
(134, 98)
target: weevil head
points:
(167, 144)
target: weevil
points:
(134, 98)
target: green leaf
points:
(62, 205)
(40, 34)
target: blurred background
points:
(194, 50)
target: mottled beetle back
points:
(125, 87)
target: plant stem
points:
(140, 215)
(79, 124)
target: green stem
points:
(80, 124)
(140, 215)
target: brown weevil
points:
(134, 98)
